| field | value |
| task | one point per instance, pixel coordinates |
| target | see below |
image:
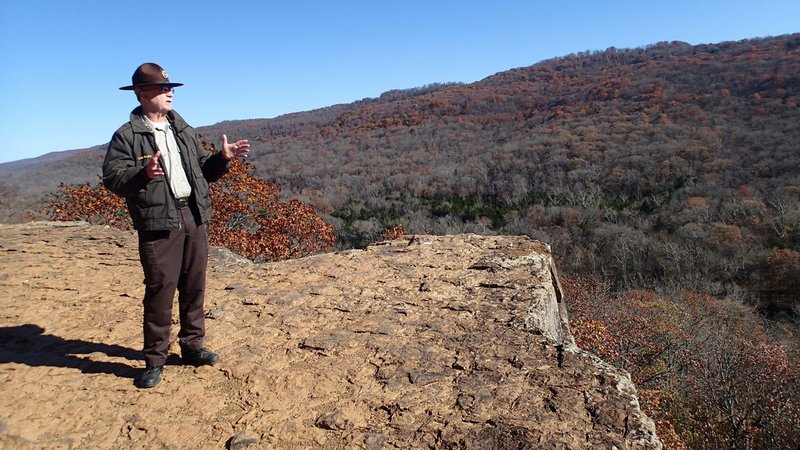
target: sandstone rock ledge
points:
(422, 342)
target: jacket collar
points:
(139, 126)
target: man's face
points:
(156, 99)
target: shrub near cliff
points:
(249, 216)
(251, 220)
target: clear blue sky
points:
(62, 61)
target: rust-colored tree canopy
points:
(250, 218)
(712, 374)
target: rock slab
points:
(421, 342)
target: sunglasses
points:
(160, 90)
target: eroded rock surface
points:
(422, 342)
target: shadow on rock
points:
(27, 344)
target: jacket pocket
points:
(153, 193)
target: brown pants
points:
(173, 259)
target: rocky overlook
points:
(421, 342)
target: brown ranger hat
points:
(150, 74)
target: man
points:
(156, 162)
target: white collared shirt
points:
(171, 158)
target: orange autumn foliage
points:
(394, 232)
(708, 371)
(250, 218)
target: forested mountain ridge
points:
(668, 164)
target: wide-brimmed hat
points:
(150, 74)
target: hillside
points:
(26, 184)
(422, 342)
(618, 158)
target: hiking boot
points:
(150, 377)
(200, 357)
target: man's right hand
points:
(153, 168)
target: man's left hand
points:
(238, 149)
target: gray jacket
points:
(150, 201)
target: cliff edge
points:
(421, 342)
